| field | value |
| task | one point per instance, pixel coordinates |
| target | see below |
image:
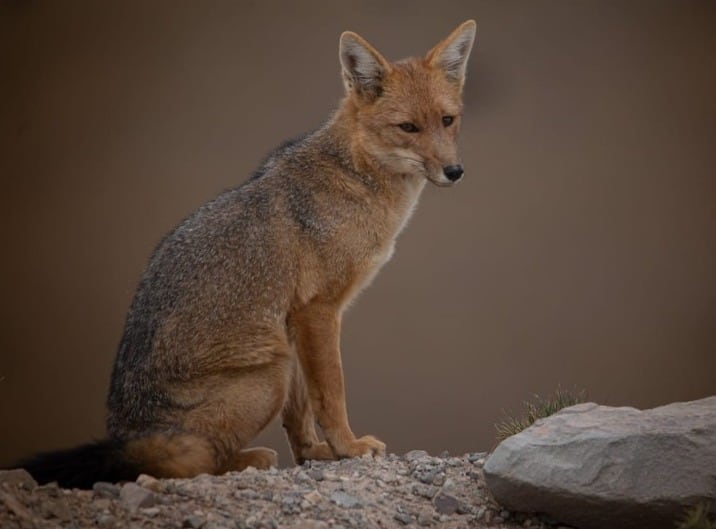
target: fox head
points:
(406, 114)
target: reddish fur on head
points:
(406, 115)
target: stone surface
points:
(599, 467)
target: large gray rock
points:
(598, 467)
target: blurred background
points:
(579, 250)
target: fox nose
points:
(453, 172)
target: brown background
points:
(579, 250)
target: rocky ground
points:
(415, 490)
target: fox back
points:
(236, 318)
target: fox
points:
(236, 319)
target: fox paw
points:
(319, 451)
(260, 458)
(366, 445)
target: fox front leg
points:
(317, 332)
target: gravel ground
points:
(414, 490)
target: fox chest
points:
(362, 272)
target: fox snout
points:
(447, 175)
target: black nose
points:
(453, 172)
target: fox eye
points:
(447, 120)
(409, 127)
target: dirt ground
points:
(414, 490)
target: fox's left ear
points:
(451, 54)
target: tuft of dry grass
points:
(697, 517)
(538, 408)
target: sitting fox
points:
(237, 317)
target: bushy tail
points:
(82, 466)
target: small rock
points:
(444, 454)
(426, 476)
(309, 524)
(445, 504)
(415, 455)
(425, 518)
(101, 504)
(57, 509)
(403, 518)
(475, 457)
(345, 500)
(193, 521)
(102, 489)
(246, 494)
(291, 503)
(302, 477)
(150, 511)
(313, 497)
(315, 474)
(425, 491)
(17, 477)
(105, 520)
(439, 479)
(51, 489)
(134, 497)
(150, 482)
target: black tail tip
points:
(80, 467)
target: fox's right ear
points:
(364, 69)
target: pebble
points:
(403, 518)
(425, 491)
(313, 497)
(302, 477)
(446, 504)
(51, 489)
(415, 455)
(291, 503)
(136, 497)
(105, 520)
(315, 474)
(425, 518)
(343, 499)
(193, 522)
(103, 489)
(102, 504)
(150, 482)
(474, 457)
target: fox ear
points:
(451, 54)
(364, 69)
